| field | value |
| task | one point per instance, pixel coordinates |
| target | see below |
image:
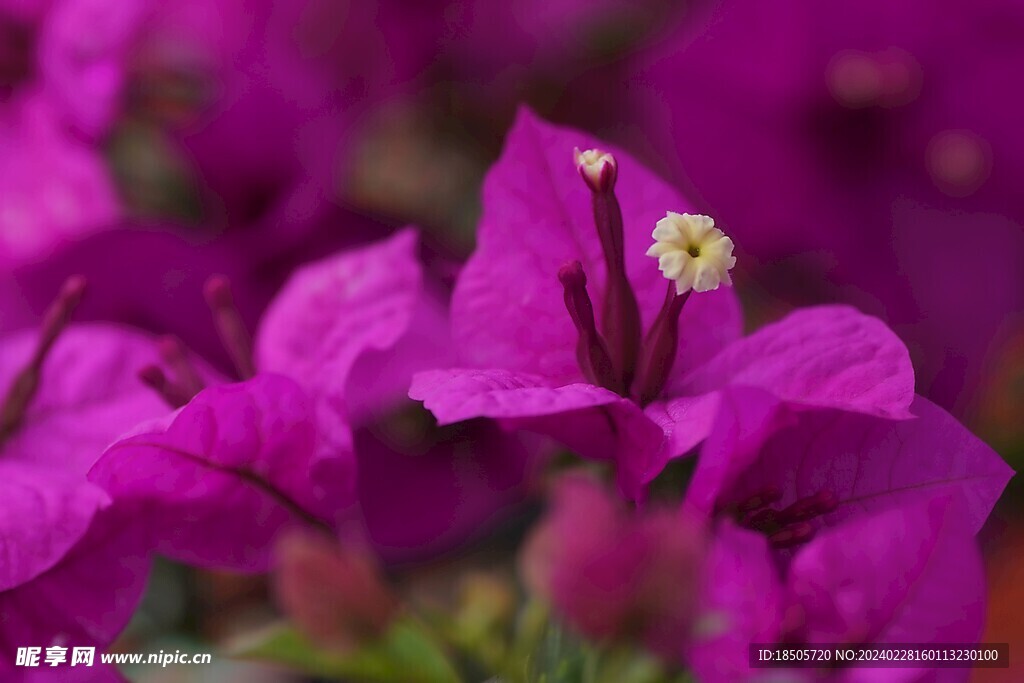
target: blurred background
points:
(868, 152)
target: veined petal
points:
(90, 394)
(685, 421)
(84, 600)
(461, 394)
(596, 423)
(867, 463)
(842, 581)
(229, 474)
(826, 356)
(44, 515)
(332, 311)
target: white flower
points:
(692, 251)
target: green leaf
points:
(406, 652)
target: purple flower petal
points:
(85, 600)
(230, 473)
(334, 310)
(828, 213)
(685, 421)
(596, 423)
(418, 500)
(45, 513)
(462, 394)
(745, 419)
(911, 574)
(507, 309)
(827, 356)
(83, 53)
(54, 186)
(741, 603)
(90, 394)
(379, 381)
(868, 464)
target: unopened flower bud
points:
(615, 574)
(598, 169)
(336, 597)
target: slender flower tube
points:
(26, 382)
(660, 346)
(620, 319)
(591, 352)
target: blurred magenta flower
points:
(850, 142)
(353, 329)
(867, 519)
(909, 574)
(243, 437)
(335, 351)
(71, 55)
(789, 471)
(201, 80)
(151, 276)
(83, 58)
(146, 277)
(54, 186)
(608, 396)
(807, 492)
(91, 592)
(250, 69)
(230, 473)
(63, 69)
(699, 596)
(613, 574)
(69, 391)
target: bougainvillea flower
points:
(265, 75)
(68, 394)
(612, 574)
(373, 317)
(615, 574)
(89, 594)
(227, 475)
(47, 55)
(837, 120)
(158, 283)
(83, 58)
(809, 490)
(82, 390)
(910, 574)
(609, 395)
(156, 286)
(334, 352)
(789, 473)
(739, 603)
(55, 187)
